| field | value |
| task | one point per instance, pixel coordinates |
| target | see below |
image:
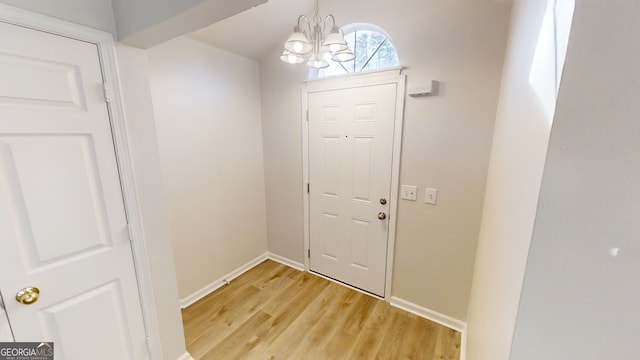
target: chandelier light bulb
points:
(297, 47)
(292, 59)
(335, 40)
(298, 43)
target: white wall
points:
(520, 140)
(579, 301)
(280, 86)
(207, 106)
(141, 132)
(97, 14)
(447, 140)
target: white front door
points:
(351, 134)
(63, 227)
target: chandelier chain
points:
(316, 13)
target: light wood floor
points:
(276, 312)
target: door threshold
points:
(347, 285)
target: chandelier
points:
(314, 45)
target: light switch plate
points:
(409, 192)
(430, 196)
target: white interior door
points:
(63, 227)
(5, 329)
(351, 134)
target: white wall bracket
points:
(429, 89)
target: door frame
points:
(106, 54)
(383, 77)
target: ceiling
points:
(252, 33)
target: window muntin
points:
(372, 49)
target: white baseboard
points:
(285, 261)
(191, 299)
(421, 311)
(185, 356)
(429, 314)
(463, 345)
(436, 317)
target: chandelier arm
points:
(306, 19)
(324, 26)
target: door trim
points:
(393, 76)
(106, 53)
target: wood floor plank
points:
(237, 343)
(229, 313)
(220, 325)
(284, 316)
(288, 342)
(313, 343)
(276, 312)
(305, 282)
(393, 335)
(220, 296)
(418, 341)
(448, 345)
(347, 328)
(370, 337)
(200, 314)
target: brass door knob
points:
(28, 295)
(382, 216)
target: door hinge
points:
(107, 92)
(308, 188)
(130, 231)
(309, 253)
(307, 114)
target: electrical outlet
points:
(430, 196)
(409, 192)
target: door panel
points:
(40, 82)
(330, 236)
(66, 317)
(69, 208)
(331, 166)
(350, 161)
(363, 162)
(360, 243)
(62, 220)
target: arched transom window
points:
(372, 48)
